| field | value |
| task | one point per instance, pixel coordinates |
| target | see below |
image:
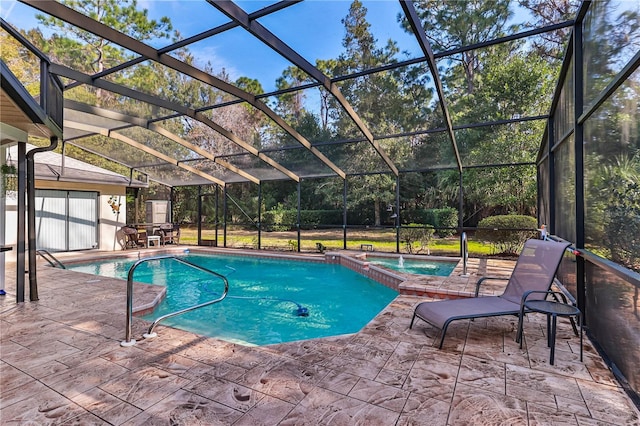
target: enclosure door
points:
(66, 220)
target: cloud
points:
(209, 54)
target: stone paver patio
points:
(61, 363)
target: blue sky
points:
(311, 27)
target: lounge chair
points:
(534, 271)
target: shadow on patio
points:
(61, 362)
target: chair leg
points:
(573, 325)
(581, 322)
(444, 330)
(520, 328)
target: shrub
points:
(279, 220)
(417, 237)
(622, 224)
(444, 218)
(507, 233)
(438, 218)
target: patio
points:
(61, 363)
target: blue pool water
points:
(414, 266)
(264, 297)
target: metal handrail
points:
(53, 261)
(464, 249)
(128, 340)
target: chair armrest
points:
(554, 293)
(483, 279)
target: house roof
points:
(49, 166)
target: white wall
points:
(109, 222)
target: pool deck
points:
(61, 363)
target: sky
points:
(313, 28)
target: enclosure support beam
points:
(224, 217)
(141, 147)
(217, 220)
(397, 221)
(172, 195)
(578, 75)
(199, 214)
(460, 207)
(421, 36)
(136, 205)
(259, 216)
(67, 72)
(22, 204)
(552, 177)
(187, 41)
(147, 124)
(344, 214)
(298, 218)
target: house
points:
(78, 206)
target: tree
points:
(609, 42)
(20, 61)
(122, 16)
(500, 82)
(384, 102)
(454, 24)
(618, 207)
(291, 104)
(550, 45)
(89, 53)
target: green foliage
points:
(417, 237)
(442, 218)
(455, 24)
(494, 83)
(81, 48)
(279, 220)
(286, 219)
(507, 233)
(616, 209)
(552, 45)
(9, 176)
(622, 228)
(437, 218)
(361, 215)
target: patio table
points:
(553, 310)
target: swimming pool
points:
(264, 300)
(441, 268)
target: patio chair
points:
(169, 233)
(534, 271)
(132, 239)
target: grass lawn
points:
(382, 240)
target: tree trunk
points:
(376, 211)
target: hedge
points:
(285, 220)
